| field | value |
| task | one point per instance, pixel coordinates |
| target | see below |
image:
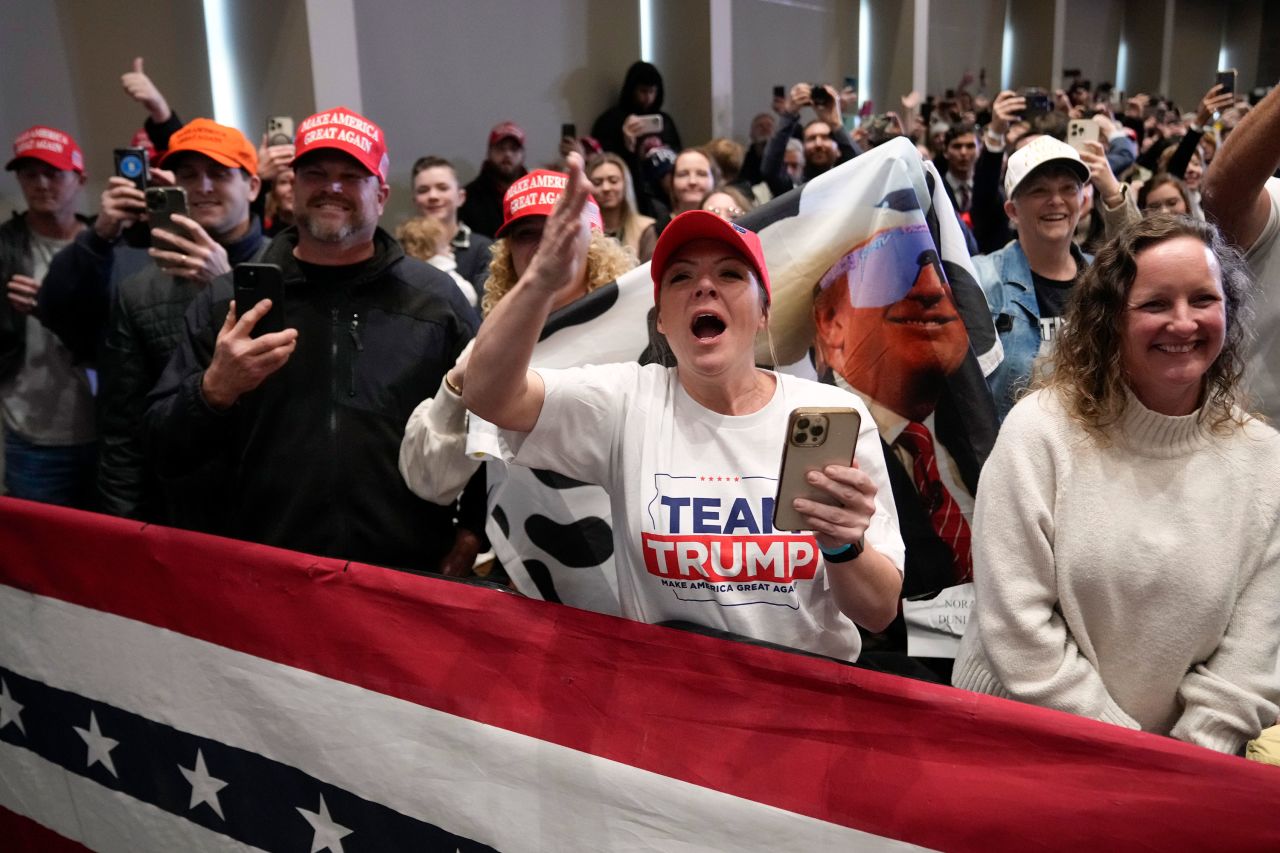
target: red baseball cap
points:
(705, 225)
(504, 130)
(536, 194)
(49, 145)
(343, 130)
(218, 142)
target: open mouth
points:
(707, 327)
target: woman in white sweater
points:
(1126, 551)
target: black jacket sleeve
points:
(1182, 156)
(986, 208)
(75, 298)
(772, 165)
(182, 431)
(122, 405)
(14, 260)
(160, 132)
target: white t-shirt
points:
(692, 501)
(1263, 369)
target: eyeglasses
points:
(726, 212)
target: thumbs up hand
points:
(138, 85)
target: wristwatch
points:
(852, 551)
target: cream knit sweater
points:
(1136, 583)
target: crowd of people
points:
(1121, 536)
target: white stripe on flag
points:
(101, 819)
(478, 781)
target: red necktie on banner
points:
(944, 513)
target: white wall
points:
(964, 35)
(438, 76)
(823, 39)
(1092, 38)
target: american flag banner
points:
(553, 535)
(162, 690)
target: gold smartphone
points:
(816, 437)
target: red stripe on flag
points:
(22, 835)
(923, 763)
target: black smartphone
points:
(779, 91)
(816, 437)
(1227, 80)
(568, 130)
(254, 283)
(820, 96)
(162, 204)
(133, 164)
(280, 130)
(1038, 103)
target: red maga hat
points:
(705, 225)
(340, 129)
(49, 145)
(536, 194)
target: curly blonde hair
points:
(607, 259)
(1086, 368)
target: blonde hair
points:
(607, 259)
(633, 224)
(422, 237)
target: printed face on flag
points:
(885, 317)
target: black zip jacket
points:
(313, 452)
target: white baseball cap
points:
(1042, 151)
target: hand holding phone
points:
(816, 437)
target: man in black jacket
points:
(218, 168)
(310, 418)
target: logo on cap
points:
(49, 145)
(351, 133)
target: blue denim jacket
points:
(1005, 276)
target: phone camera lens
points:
(802, 424)
(816, 430)
(799, 438)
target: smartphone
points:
(280, 130)
(1227, 79)
(851, 82)
(1038, 103)
(133, 164)
(816, 437)
(1080, 131)
(820, 97)
(779, 91)
(650, 124)
(162, 204)
(254, 283)
(568, 130)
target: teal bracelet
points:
(836, 551)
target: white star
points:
(328, 835)
(204, 788)
(10, 710)
(99, 747)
